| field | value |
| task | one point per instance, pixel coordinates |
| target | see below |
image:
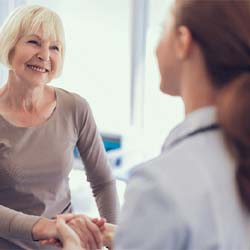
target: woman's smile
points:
(37, 68)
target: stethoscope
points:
(201, 130)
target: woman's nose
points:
(43, 54)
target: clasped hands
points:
(72, 231)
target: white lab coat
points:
(187, 197)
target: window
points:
(161, 112)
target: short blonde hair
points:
(27, 20)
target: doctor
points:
(196, 194)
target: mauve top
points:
(34, 166)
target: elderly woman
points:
(39, 127)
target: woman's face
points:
(36, 60)
(168, 62)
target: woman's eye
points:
(33, 42)
(55, 48)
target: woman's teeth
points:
(36, 68)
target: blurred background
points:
(110, 61)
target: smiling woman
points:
(36, 60)
(27, 22)
(40, 125)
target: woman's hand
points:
(100, 222)
(72, 232)
(44, 229)
(89, 233)
(63, 233)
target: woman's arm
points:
(15, 224)
(97, 168)
(18, 225)
(44, 229)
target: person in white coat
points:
(196, 194)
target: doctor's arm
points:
(149, 219)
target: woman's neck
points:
(20, 96)
(197, 92)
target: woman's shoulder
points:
(70, 96)
(71, 99)
(73, 105)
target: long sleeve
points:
(148, 220)
(16, 224)
(97, 168)
(35, 164)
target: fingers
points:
(96, 233)
(91, 241)
(66, 217)
(62, 228)
(80, 229)
(67, 235)
(88, 232)
(100, 222)
(48, 242)
(51, 242)
(108, 235)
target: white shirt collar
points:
(199, 118)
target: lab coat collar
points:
(195, 120)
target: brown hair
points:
(221, 29)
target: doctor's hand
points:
(89, 233)
(68, 238)
(108, 231)
(108, 235)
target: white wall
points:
(97, 56)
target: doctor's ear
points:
(183, 42)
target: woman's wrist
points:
(43, 229)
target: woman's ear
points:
(183, 42)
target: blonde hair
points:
(27, 20)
